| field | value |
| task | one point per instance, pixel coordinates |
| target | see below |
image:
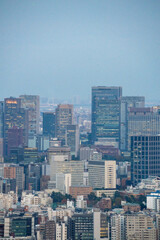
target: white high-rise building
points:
(110, 174)
(102, 174)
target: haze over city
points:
(59, 49)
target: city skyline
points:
(63, 49)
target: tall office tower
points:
(14, 117)
(15, 138)
(102, 174)
(145, 157)
(106, 113)
(64, 117)
(126, 104)
(1, 118)
(31, 102)
(72, 139)
(143, 121)
(49, 124)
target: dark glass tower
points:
(14, 117)
(106, 113)
(1, 118)
(145, 157)
(49, 124)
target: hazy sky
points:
(61, 49)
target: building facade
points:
(145, 157)
(64, 117)
(106, 113)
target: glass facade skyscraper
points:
(145, 157)
(49, 124)
(127, 103)
(106, 113)
(64, 117)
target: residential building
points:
(140, 226)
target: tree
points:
(92, 196)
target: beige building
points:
(140, 226)
(75, 168)
(110, 174)
(102, 174)
(107, 192)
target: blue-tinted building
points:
(106, 113)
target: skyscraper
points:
(145, 157)
(64, 117)
(127, 103)
(14, 117)
(49, 124)
(1, 118)
(72, 139)
(31, 103)
(143, 121)
(106, 113)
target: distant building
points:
(140, 226)
(118, 227)
(127, 103)
(63, 182)
(31, 103)
(15, 138)
(58, 154)
(72, 139)
(102, 174)
(64, 117)
(143, 122)
(84, 191)
(84, 226)
(14, 117)
(145, 157)
(75, 168)
(50, 230)
(106, 113)
(1, 119)
(132, 207)
(30, 155)
(153, 201)
(104, 203)
(49, 124)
